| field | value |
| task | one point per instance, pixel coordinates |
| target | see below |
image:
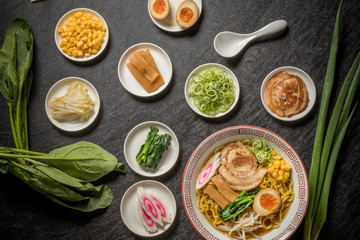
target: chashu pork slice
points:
(239, 168)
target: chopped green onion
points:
(212, 91)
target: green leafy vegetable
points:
(326, 150)
(212, 91)
(94, 162)
(233, 209)
(150, 153)
(15, 77)
(66, 178)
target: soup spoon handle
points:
(271, 28)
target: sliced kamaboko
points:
(208, 171)
(146, 220)
(149, 205)
(164, 212)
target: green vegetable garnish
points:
(233, 209)
(325, 152)
(151, 151)
(212, 91)
(65, 179)
(16, 78)
(261, 151)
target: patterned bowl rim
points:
(246, 127)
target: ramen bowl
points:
(297, 209)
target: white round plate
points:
(199, 70)
(58, 90)
(129, 212)
(136, 138)
(310, 86)
(169, 23)
(298, 207)
(162, 61)
(65, 18)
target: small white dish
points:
(162, 61)
(137, 137)
(169, 23)
(65, 18)
(310, 86)
(128, 208)
(199, 70)
(58, 90)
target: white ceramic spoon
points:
(229, 44)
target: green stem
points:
(321, 211)
(331, 129)
(23, 151)
(18, 118)
(11, 113)
(320, 129)
(45, 157)
(25, 128)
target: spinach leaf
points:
(43, 183)
(160, 145)
(8, 74)
(84, 160)
(59, 176)
(15, 79)
(100, 197)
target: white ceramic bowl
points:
(128, 208)
(162, 61)
(169, 24)
(65, 18)
(58, 90)
(310, 86)
(137, 136)
(298, 207)
(199, 70)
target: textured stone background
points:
(25, 214)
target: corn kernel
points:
(87, 54)
(281, 173)
(286, 175)
(280, 178)
(94, 51)
(79, 44)
(78, 14)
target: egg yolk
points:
(186, 15)
(268, 201)
(159, 6)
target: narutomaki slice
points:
(164, 212)
(208, 171)
(146, 219)
(149, 206)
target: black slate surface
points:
(26, 214)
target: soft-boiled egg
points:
(266, 202)
(187, 14)
(159, 9)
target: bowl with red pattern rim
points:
(197, 159)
